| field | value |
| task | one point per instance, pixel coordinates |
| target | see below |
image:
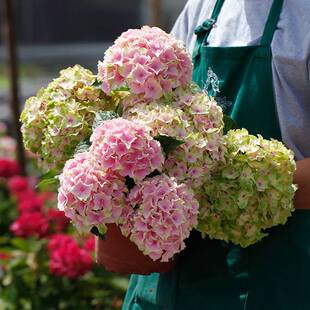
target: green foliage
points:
(8, 211)
(83, 146)
(28, 284)
(48, 181)
(98, 232)
(229, 123)
(167, 143)
(103, 116)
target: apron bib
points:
(214, 275)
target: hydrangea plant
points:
(162, 215)
(61, 115)
(192, 117)
(148, 61)
(127, 148)
(253, 190)
(89, 195)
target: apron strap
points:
(272, 22)
(202, 31)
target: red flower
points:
(46, 196)
(58, 220)
(17, 184)
(8, 168)
(25, 195)
(70, 261)
(57, 241)
(4, 256)
(30, 224)
(32, 204)
(89, 244)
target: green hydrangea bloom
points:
(61, 115)
(253, 189)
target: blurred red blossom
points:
(89, 244)
(17, 184)
(69, 260)
(59, 240)
(57, 219)
(8, 168)
(29, 205)
(33, 224)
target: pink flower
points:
(68, 259)
(26, 195)
(17, 184)
(153, 89)
(59, 240)
(89, 244)
(156, 66)
(89, 195)
(126, 148)
(33, 224)
(142, 54)
(8, 168)
(165, 212)
(58, 220)
(139, 74)
(32, 204)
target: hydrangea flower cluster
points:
(252, 191)
(61, 115)
(148, 61)
(163, 214)
(8, 168)
(67, 258)
(189, 116)
(127, 148)
(243, 183)
(90, 196)
(30, 224)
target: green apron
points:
(273, 274)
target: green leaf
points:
(130, 183)
(119, 109)
(99, 233)
(229, 123)
(168, 144)
(50, 174)
(83, 146)
(47, 180)
(46, 184)
(20, 244)
(103, 116)
(120, 283)
(122, 88)
(96, 83)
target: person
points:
(259, 49)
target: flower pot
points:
(118, 254)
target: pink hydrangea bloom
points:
(68, 259)
(59, 240)
(148, 60)
(127, 148)
(33, 224)
(89, 195)
(164, 212)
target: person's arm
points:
(302, 179)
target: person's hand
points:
(302, 179)
(118, 254)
